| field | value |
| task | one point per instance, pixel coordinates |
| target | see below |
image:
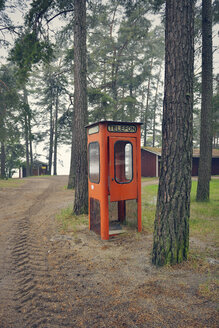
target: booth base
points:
(115, 228)
(115, 232)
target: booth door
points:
(122, 168)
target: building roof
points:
(196, 151)
(35, 163)
(153, 150)
(215, 153)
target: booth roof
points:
(115, 122)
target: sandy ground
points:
(54, 279)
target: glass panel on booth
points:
(94, 162)
(123, 161)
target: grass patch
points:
(203, 220)
(69, 222)
(41, 176)
(11, 183)
(204, 216)
(149, 199)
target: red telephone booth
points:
(114, 176)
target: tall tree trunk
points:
(2, 141)
(131, 106)
(26, 145)
(155, 107)
(204, 172)
(104, 74)
(80, 108)
(51, 136)
(56, 135)
(26, 132)
(30, 141)
(71, 178)
(114, 80)
(147, 103)
(3, 159)
(114, 83)
(171, 227)
(28, 114)
(142, 105)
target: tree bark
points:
(131, 106)
(26, 133)
(2, 140)
(71, 178)
(80, 109)
(142, 104)
(204, 172)
(30, 141)
(3, 158)
(171, 227)
(26, 145)
(155, 107)
(56, 135)
(147, 105)
(51, 136)
(28, 115)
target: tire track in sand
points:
(36, 290)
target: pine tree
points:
(171, 227)
(204, 172)
(9, 119)
(80, 109)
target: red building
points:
(151, 157)
(150, 162)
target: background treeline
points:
(125, 69)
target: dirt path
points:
(49, 279)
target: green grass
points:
(148, 198)
(204, 216)
(11, 183)
(41, 176)
(203, 220)
(69, 222)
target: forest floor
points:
(50, 277)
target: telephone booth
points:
(114, 176)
